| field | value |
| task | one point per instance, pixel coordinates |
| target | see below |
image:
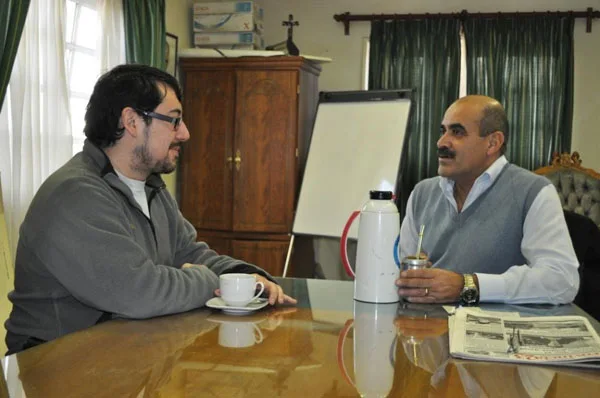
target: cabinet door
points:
(207, 165)
(269, 255)
(218, 244)
(265, 136)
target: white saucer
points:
(218, 304)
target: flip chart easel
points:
(357, 144)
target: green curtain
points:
(12, 21)
(423, 55)
(526, 63)
(145, 32)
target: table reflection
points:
(422, 353)
(93, 357)
(238, 333)
(236, 371)
(374, 342)
(423, 330)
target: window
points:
(462, 90)
(364, 78)
(82, 64)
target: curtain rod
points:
(346, 17)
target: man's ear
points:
(129, 120)
(496, 140)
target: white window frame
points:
(71, 49)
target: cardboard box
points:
(228, 39)
(227, 23)
(227, 7)
(246, 47)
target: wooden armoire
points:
(250, 121)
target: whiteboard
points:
(357, 144)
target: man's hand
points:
(431, 285)
(275, 291)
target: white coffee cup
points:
(237, 290)
(239, 334)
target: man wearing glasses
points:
(103, 238)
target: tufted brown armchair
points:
(579, 191)
(578, 187)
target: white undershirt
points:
(139, 192)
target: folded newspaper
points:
(550, 340)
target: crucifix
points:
(290, 23)
(289, 43)
(291, 47)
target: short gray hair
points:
(494, 118)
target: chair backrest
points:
(7, 275)
(578, 187)
(585, 236)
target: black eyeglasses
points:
(175, 121)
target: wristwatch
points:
(470, 293)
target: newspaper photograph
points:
(553, 340)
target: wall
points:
(178, 21)
(319, 34)
(586, 117)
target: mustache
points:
(445, 152)
(175, 145)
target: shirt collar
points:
(135, 185)
(481, 184)
(489, 175)
(494, 170)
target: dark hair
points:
(494, 118)
(135, 86)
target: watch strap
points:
(469, 281)
(470, 292)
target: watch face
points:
(469, 296)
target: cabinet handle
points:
(237, 160)
(230, 162)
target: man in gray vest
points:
(494, 232)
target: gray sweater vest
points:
(486, 237)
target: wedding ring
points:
(427, 291)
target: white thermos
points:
(377, 264)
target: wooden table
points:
(327, 346)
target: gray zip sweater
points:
(86, 250)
